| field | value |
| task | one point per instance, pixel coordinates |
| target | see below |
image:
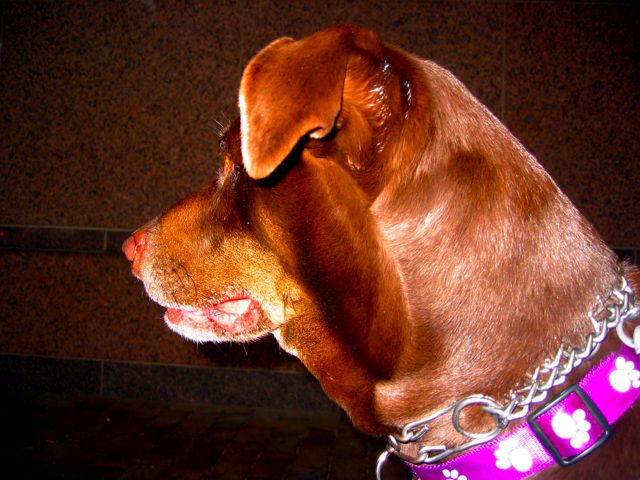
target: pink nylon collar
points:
(569, 427)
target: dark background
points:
(109, 113)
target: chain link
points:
(613, 312)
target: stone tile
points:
(231, 471)
(572, 98)
(325, 420)
(199, 456)
(304, 474)
(313, 457)
(350, 446)
(272, 465)
(168, 419)
(42, 469)
(233, 420)
(346, 468)
(254, 434)
(196, 423)
(317, 437)
(55, 375)
(148, 471)
(111, 109)
(220, 386)
(245, 453)
(282, 443)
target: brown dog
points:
(391, 233)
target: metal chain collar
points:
(613, 312)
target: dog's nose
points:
(133, 248)
(129, 248)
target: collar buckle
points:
(571, 426)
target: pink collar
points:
(563, 431)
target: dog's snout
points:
(133, 248)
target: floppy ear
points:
(292, 89)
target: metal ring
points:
(380, 463)
(479, 400)
(624, 336)
(406, 435)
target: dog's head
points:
(286, 228)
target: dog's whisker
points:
(220, 127)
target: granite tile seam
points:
(153, 364)
(66, 227)
(48, 238)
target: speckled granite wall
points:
(110, 113)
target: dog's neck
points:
(437, 323)
(492, 213)
(352, 337)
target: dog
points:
(394, 236)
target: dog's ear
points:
(292, 89)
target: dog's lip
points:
(236, 315)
